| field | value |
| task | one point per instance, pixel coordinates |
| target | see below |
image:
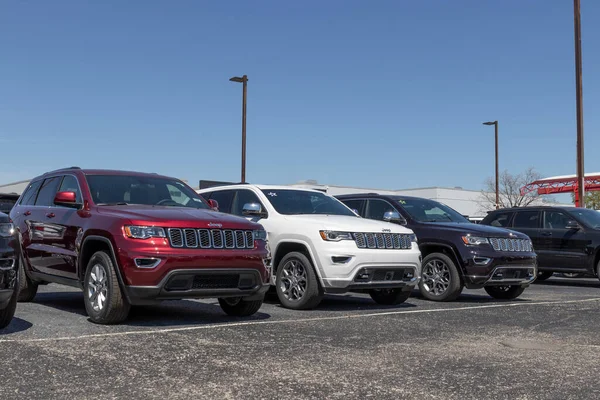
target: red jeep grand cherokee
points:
(129, 238)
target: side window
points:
(177, 195)
(69, 184)
(355, 205)
(224, 198)
(31, 193)
(555, 220)
(376, 208)
(527, 219)
(500, 220)
(242, 197)
(47, 192)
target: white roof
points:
(567, 176)
(261, 187)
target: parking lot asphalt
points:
(543, 345)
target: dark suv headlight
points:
(475, 240)
(7, 229)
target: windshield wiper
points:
(120, 203)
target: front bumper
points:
(201, 283)
(501, 269)
(9, 267)
(344, 267)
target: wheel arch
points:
(92, 244)
(287, 246)
(433, 247)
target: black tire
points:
(312, 295)
(238, 307)
(543, 275)
(455, 284)
(7, 313)
(115, 307)
(27, 288)
(389, 297)
(504, 292)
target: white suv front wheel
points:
(297, 284)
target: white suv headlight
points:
(335, 236)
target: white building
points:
(467, 202)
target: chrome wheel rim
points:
(436, 277)
(293, 280)
(97, 287)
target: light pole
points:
(580, 194)
(244, 81)
(495, 123)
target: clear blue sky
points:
(382, 94)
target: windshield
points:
(292, 202)
(425, 210)
(589, 217)
(147, 190)
(6, 205)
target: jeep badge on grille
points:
(214, 225)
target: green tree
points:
(592, 199)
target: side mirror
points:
(252, 210)
(573, 225)
(394, 216)
(213, 204)
(66, 199)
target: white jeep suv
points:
(319, 245)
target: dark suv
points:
(456, 252)
(566, 239)
(9, 278)
(129, 238)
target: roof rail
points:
(62, 169)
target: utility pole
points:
(580, 193)
(244, 81)
(495, 123)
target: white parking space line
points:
(300, 320)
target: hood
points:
(346, 223)
(474, 229)
(181, 217)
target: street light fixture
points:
(580, 187)
(243, 80)
(495, 123)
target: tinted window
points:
(69, 184)
(244, 197)
(6, 205)
(47, 191)
(588, 216)
(555, 220)
(425, 210)
(109, 190)
(376, 208)
(500, 219)
(527, 219)
(354, 205)
(224, 198)
(31, 193)
(293, 202)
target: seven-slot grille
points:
(383, 241)
(502, 244)
(210, 238)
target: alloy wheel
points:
(436, 277)
(98, 287)
(293, 280)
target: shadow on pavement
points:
(15, 326)
(167, 313)
(470, 298)
(346, 302)
(577, 282)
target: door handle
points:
(546, 234)
(50, 215)
(27, 213)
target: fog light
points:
(340, 259)
(409, 275)
(146, 262)
(481, 260)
